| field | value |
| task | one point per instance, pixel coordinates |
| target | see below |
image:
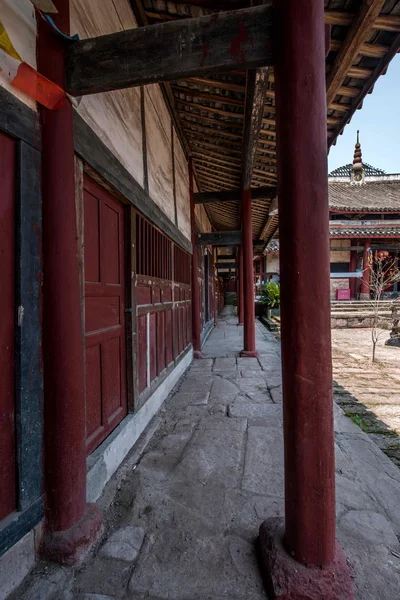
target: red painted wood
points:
(106, 402)
(142, 352)
(249, 336)
(161, 350)
(196, 331)
(7, 311)
(352, 269)
(64, 390)
(153, 346)
(241, 300)
(143, 295)
(365, 281)
(305, 315)
(168, 337)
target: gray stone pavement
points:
(182, 513)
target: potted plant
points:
(271, 296)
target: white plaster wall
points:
(159, 150)
(182, 188)
(114, 116)
(18, 18)
(273, 263)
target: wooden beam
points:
(224, 85)
(169, 51)
(210, 109)
(219, 238)
(368, 85)
(213, 130)
(224, 160)
(224, 149)
(384, 23)
(350, 47)
(259, 193)
(231, 264)
(231, 170)
(256, 87)
(179, 89)
(196, 118)
(366, 49)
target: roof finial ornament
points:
(358, 171)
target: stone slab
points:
(123, 544)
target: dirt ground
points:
(369, 392)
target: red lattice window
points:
(181, 266)
(153, 251)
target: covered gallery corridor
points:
(184, 509)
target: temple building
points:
(364, 217)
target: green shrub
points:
(271, 295)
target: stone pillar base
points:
(287, 579)
(249, 353)
(240, 324)
(197, 354)
(365, 297)
(71, 547)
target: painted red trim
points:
(196, 331)
(64, 392)
(249, 334)
(305, 316)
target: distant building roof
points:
(377, 194)
(365, 230)
(346, 170)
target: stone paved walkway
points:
(183, 511)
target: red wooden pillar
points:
(196, 330)
(353, 269)
(71, 526)
(364, 290)
(241, 300)
(249, 334)
(309, 529)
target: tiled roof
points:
(364, 230)
(377, 194)
(345, 170)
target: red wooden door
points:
(106, 400)
(7, 426)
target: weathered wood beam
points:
(231, 264)
(219, 238)
(225, 149)
(211, 130)
(179, 89)
(209, 109)
(256, 88)
(259, 193)
(366, 49)
(223, 238)
(224, 85)
(384, 23)
(194, 118)
(350, 47)
(169, 51)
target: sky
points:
(379, 125)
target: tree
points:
(384, 273)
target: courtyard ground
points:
(369, 393)
(183, 511)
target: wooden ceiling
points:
(209, 112)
